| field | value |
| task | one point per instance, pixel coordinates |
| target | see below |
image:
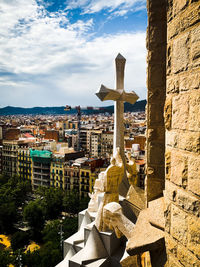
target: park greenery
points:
(26, 217)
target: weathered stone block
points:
(194, 174)
(169, 59)
(155, 114)
(173, 28)
(157, 32)
(156, 75)
(189, 141)
(195, 53)
(156, 94)
(170, 191)
(194, 112)
(179, 168)
(156, 54)
(130, 261)
(171, 244)
(186, 19)
(189, 81)
(154, 188)
(186, 258)
(180, 112)
(155, 5)
(156, 153)
(194, 235)
(172, 85)
(195, 46)
(179, 226)
(157, 133)
(172, 138)
(169, 10)
(179, 5)
(180, 53)
(188, 202)
(155, 171)
(167, 212)
(167, 164)
(173, 261)
(195, 34)
(168, 113)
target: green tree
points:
(71, 202)
(50, 256)
(19, 240)
(8, 216)
(5, 258)
(31, 259)
(52, 202)
(51, 233)
(33, 213)
(70, 226)
(13, 193)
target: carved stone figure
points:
(98, 189)
(112, 178)
(114, 218)
(131, 170)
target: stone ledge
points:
(146, 237)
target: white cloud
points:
(93, 6)
(42, 63)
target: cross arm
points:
(131, 97)
(109, 94)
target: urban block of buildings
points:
(43, 149)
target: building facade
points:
(107, 144)
(71, 177)
(57, 171)
(95, 150)
(24, 164)
(1, 167)
(41, 163)
(10, 156)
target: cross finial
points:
(119, 96)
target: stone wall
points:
(173, 140)
(156, 84)
(182, 122)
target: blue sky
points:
(58, 52)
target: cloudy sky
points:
(58, 52)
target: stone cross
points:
(119, 96)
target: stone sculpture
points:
(98, 189)
(100, 242)
(119, 96)
(112, 178)
(131, 170)
(114, 218)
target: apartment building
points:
(41, 163)
(107, 144)
(1, 147)
(89, 172)
(57, 171)
(96, 143)
(71, 177)
(10, 155)
(24, 164)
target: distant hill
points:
(138, 106)
(9, 110)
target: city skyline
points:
(59, 52)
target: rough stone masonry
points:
(173, 43)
